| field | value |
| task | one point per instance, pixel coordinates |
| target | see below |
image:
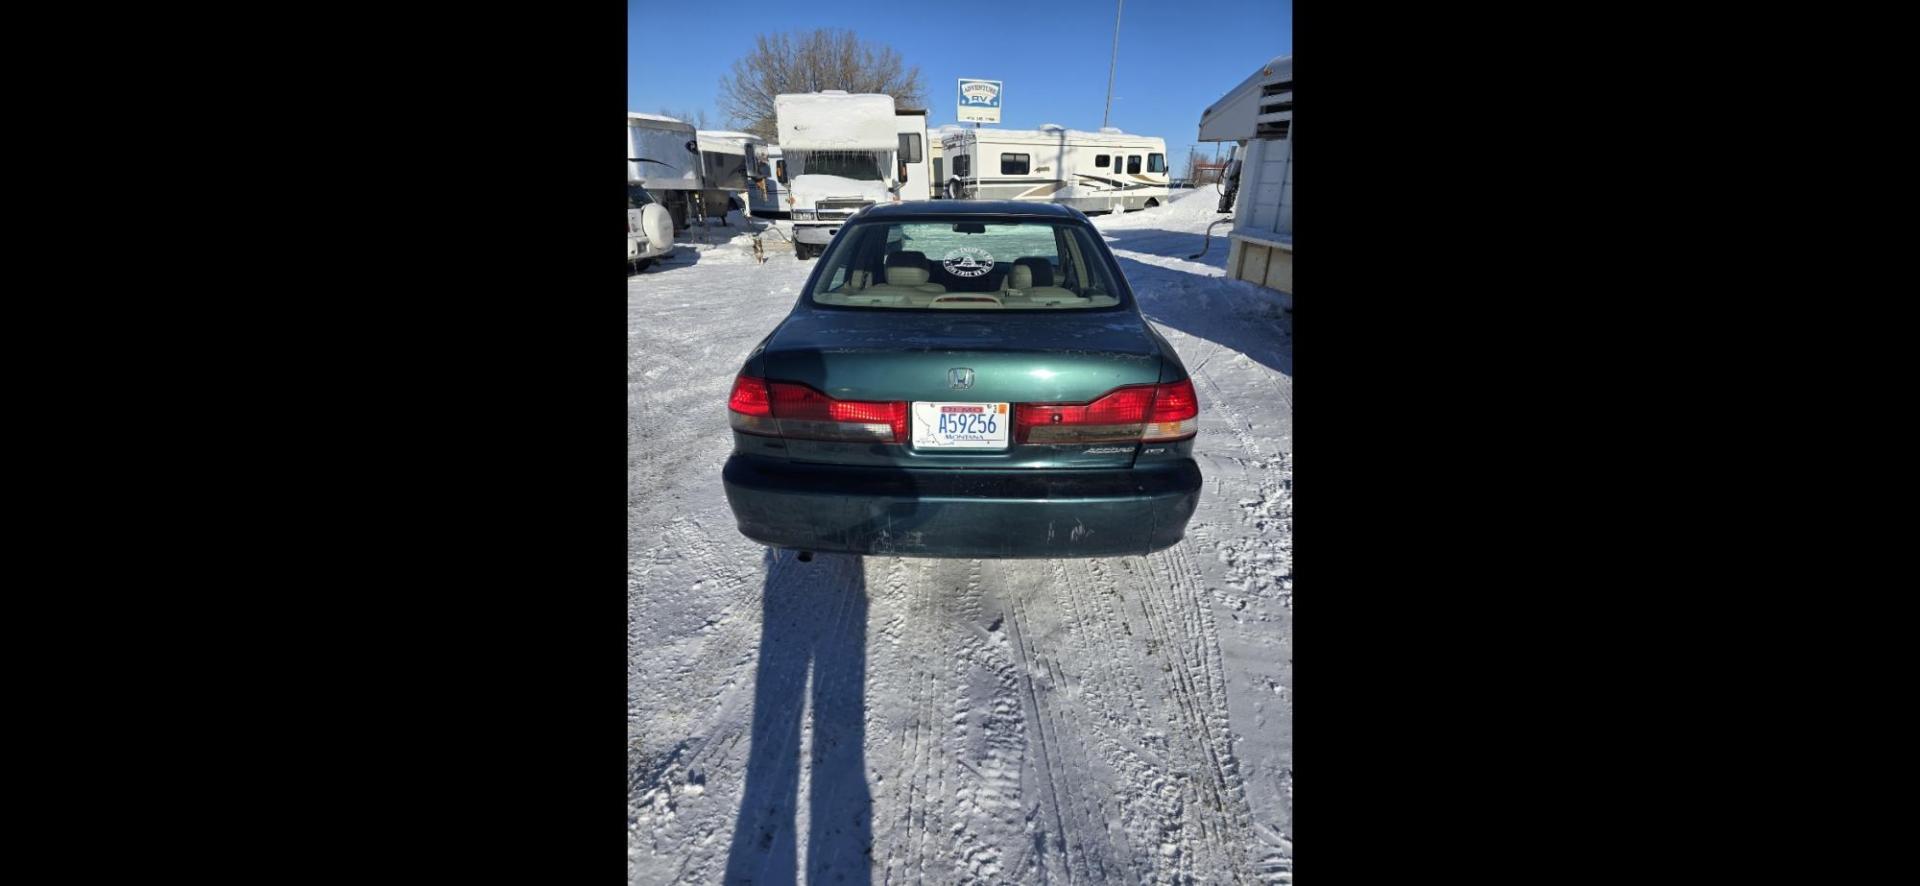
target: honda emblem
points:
(960, 379)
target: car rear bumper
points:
(962, 513)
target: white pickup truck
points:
(649, 228)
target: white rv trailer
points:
(729, 162)
(663, 154)
(1089, 171)
(1258, 116)
(912, 126)
(842, 155)
(937, 181)
(763, 190)
(941, 181)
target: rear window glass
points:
(960, 164)
(966, 265)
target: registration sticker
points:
(961, 425)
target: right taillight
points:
(1133, 414)
(787, 409)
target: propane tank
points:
(1230, 181)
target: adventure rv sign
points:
(979, 101)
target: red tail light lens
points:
(1175, 414)
(749, 397)
(1137, 413)
(750, 408)
(787, 409)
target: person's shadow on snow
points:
(813, 623)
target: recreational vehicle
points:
(763, 190)
(912, 127)
(1089, 171)
(937, 182)
(729, 162)
(842, 154)
(1257, 116)
(663, 154)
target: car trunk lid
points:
(912, 356)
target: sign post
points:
(979, 101)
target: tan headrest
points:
(906, 275)
(1021, 277)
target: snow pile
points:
(821, 121)
(673, 122)
(1108, 136)
(727, 137)
(1186, 211)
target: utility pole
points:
(1112, 62)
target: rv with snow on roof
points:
(1089, 171)
(842, 154)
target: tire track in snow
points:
(1026, 661)
(1203, 699)
(1114, 715)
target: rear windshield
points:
(966, 265)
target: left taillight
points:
(796, 411)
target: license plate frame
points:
(925, 420)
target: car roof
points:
(968, 208)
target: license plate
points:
(960, 425)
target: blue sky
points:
(1176, 57)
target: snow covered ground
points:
(893, 720)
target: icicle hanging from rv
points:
(865, 165)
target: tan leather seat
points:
(907, 274)
(1021, 288)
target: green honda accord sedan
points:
(964, 379)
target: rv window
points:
(938, 173)
(909, 147)
(1100, 160)
(1013, 164)
(1156, 163)
(960, 164)
(1133, 164)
